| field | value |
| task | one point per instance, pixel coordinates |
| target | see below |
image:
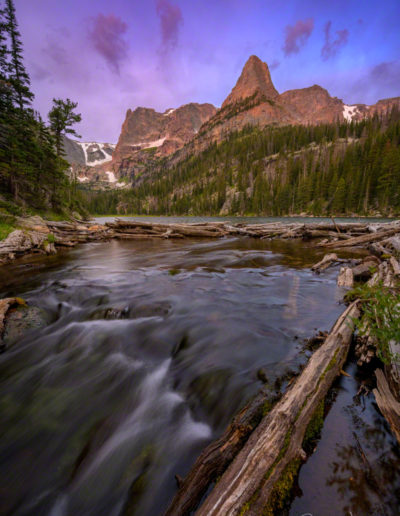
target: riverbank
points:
(379, 268)
(36, 235)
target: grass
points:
(5, 230)
(380, 319)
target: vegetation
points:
(341, 169)
(32, 170)
(380, 317)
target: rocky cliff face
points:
(90, 154)
(163, 133)
(255, 80)
(147, 135)
(255, 101)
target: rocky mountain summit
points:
(146, 135)
(255, 80)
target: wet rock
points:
(20, 320)
(262, 375)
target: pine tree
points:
(19, 77)
(62, 118)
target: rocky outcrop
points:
(159, 133)
(255, 80)
(147, 135)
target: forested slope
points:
(341, 169)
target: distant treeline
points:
(343, 168)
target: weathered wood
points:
(346, 277)
(364, 239)
(326, 261)
(387, 403)
(277, 440)
(395, 265)
(216, 457)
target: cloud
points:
(297, 35)
(331, 48)
(274, 65)
(106, 34)
(171, 20)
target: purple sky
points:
(111, 56)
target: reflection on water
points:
(355, 469)
(152, 348)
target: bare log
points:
(395, 265)
(346, 277)
(247, 484)
(387, 404)
(214, 459)
(364, 239)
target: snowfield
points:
(349, 112)
(98, 146)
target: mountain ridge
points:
(147, 136)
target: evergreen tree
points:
(18, 77)
(62, 117)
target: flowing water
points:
(150, 350)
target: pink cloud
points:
(297, 35)
(106, 35)
(331, 48)
(171, 20)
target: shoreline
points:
(380, 267)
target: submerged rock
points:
(17, 319)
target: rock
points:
(364, 271)
(5, 305)
(19, 320)
(345, 278)
(262, 375)
(255, 79)
(31, 222)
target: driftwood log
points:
(387, 403)
(247, 484)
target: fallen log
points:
(246, 486)
(364, 239)
(387, 403)
(346, 277)
(214, 459)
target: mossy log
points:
(274, 447)
(276, 444)
(216, 457)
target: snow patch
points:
(120, 185)
(148, 145)
(349, 112)
(111, 177)
(99, 146)
(83, 179)
(167, 113)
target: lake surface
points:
(151, 349)
(244, 220)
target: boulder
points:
(17, 319)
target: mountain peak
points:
(255, 78)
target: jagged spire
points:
(255, 78)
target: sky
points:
(111, 56)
